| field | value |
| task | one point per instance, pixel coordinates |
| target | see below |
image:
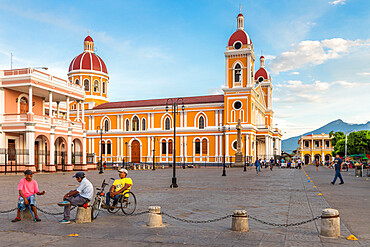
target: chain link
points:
(284, 225)
(8, 211)
(197, 221)
(49, 213)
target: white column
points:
(52, 147)
(69, 146)
(266, 145)
(83, 111)
(118, 147)
(216, 146)
(247, 136)
(68, 108)
(30, 100)
(227, 144)
(92, 123)
(118, 121)
(122, 126)
(78, 110)
(84, 148)
(30, 144)
(58, 109)
(50, 105)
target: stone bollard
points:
(26, 214)
(240, 221)
(162, 166)
(134, 167)
(330, 223)
(155, 216)
(83, 215)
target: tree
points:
(357, 142)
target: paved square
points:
(280, 196)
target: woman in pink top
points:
(27, 188)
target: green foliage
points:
(357, 142)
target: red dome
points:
(241, 36)
(88, 38)
(240, 15)
(262, 72)
(88, 61)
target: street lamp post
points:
(154, 138)
(126, 154)
(223, 129)
(245, 153)
(175, 110)
(100, 131)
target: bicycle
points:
(126, 202)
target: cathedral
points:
(143, 130)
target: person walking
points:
(338, 163)
(299, 163)
(258, 165)
(317, 165)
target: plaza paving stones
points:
(279, 196)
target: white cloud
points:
(294, 73)
(311, 52)
(216, 90)
(363, 73)
(336, 2)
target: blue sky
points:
(317, 51)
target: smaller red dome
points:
(240, 35)
(240, 15)
(263, 57)
(262, 72)
(88, 38)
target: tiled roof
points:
(161, 102)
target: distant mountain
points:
(291, 144)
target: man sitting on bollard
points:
(78, 197)
(119, 188)
(27, 188)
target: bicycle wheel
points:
(116, 208)
(96, 208)
(128, 203)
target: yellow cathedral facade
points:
(142, 130)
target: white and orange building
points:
(139, 130)
(35, 128)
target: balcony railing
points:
(39, 119)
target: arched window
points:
(103, 147)
(197, 146)
(77, 82)
(87, 85)
(167, 124)
(106, 125)
(237, 73)
(204, 146)
(164, 147)
(170, 147)
(96, 86)
(23, 105)
(103, 87)
(135, 124)
(201, 122)
(127, 125)
(109, 147)
(143, 124)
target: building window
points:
(106, 125)
(327, 144)
(143, 124)
(201, 122)
(103, 148)
(167, 124)
(103, 87)
(96, 86)
(237, 73)
(204, 146)
(317, 144)
(306, 144)
(77, 82)
(87, 85)
(164, 147)
(197, 146)
(135, 124)
(127, 125)
(170, 147)
(109, 147)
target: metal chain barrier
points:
(137, 214)
(49, 213)
(197, 221)
(8, 211)
(284, 225)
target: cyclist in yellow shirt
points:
(119, 187)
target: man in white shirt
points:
(78, 197)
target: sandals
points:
(16, 219)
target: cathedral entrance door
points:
(135, 151)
